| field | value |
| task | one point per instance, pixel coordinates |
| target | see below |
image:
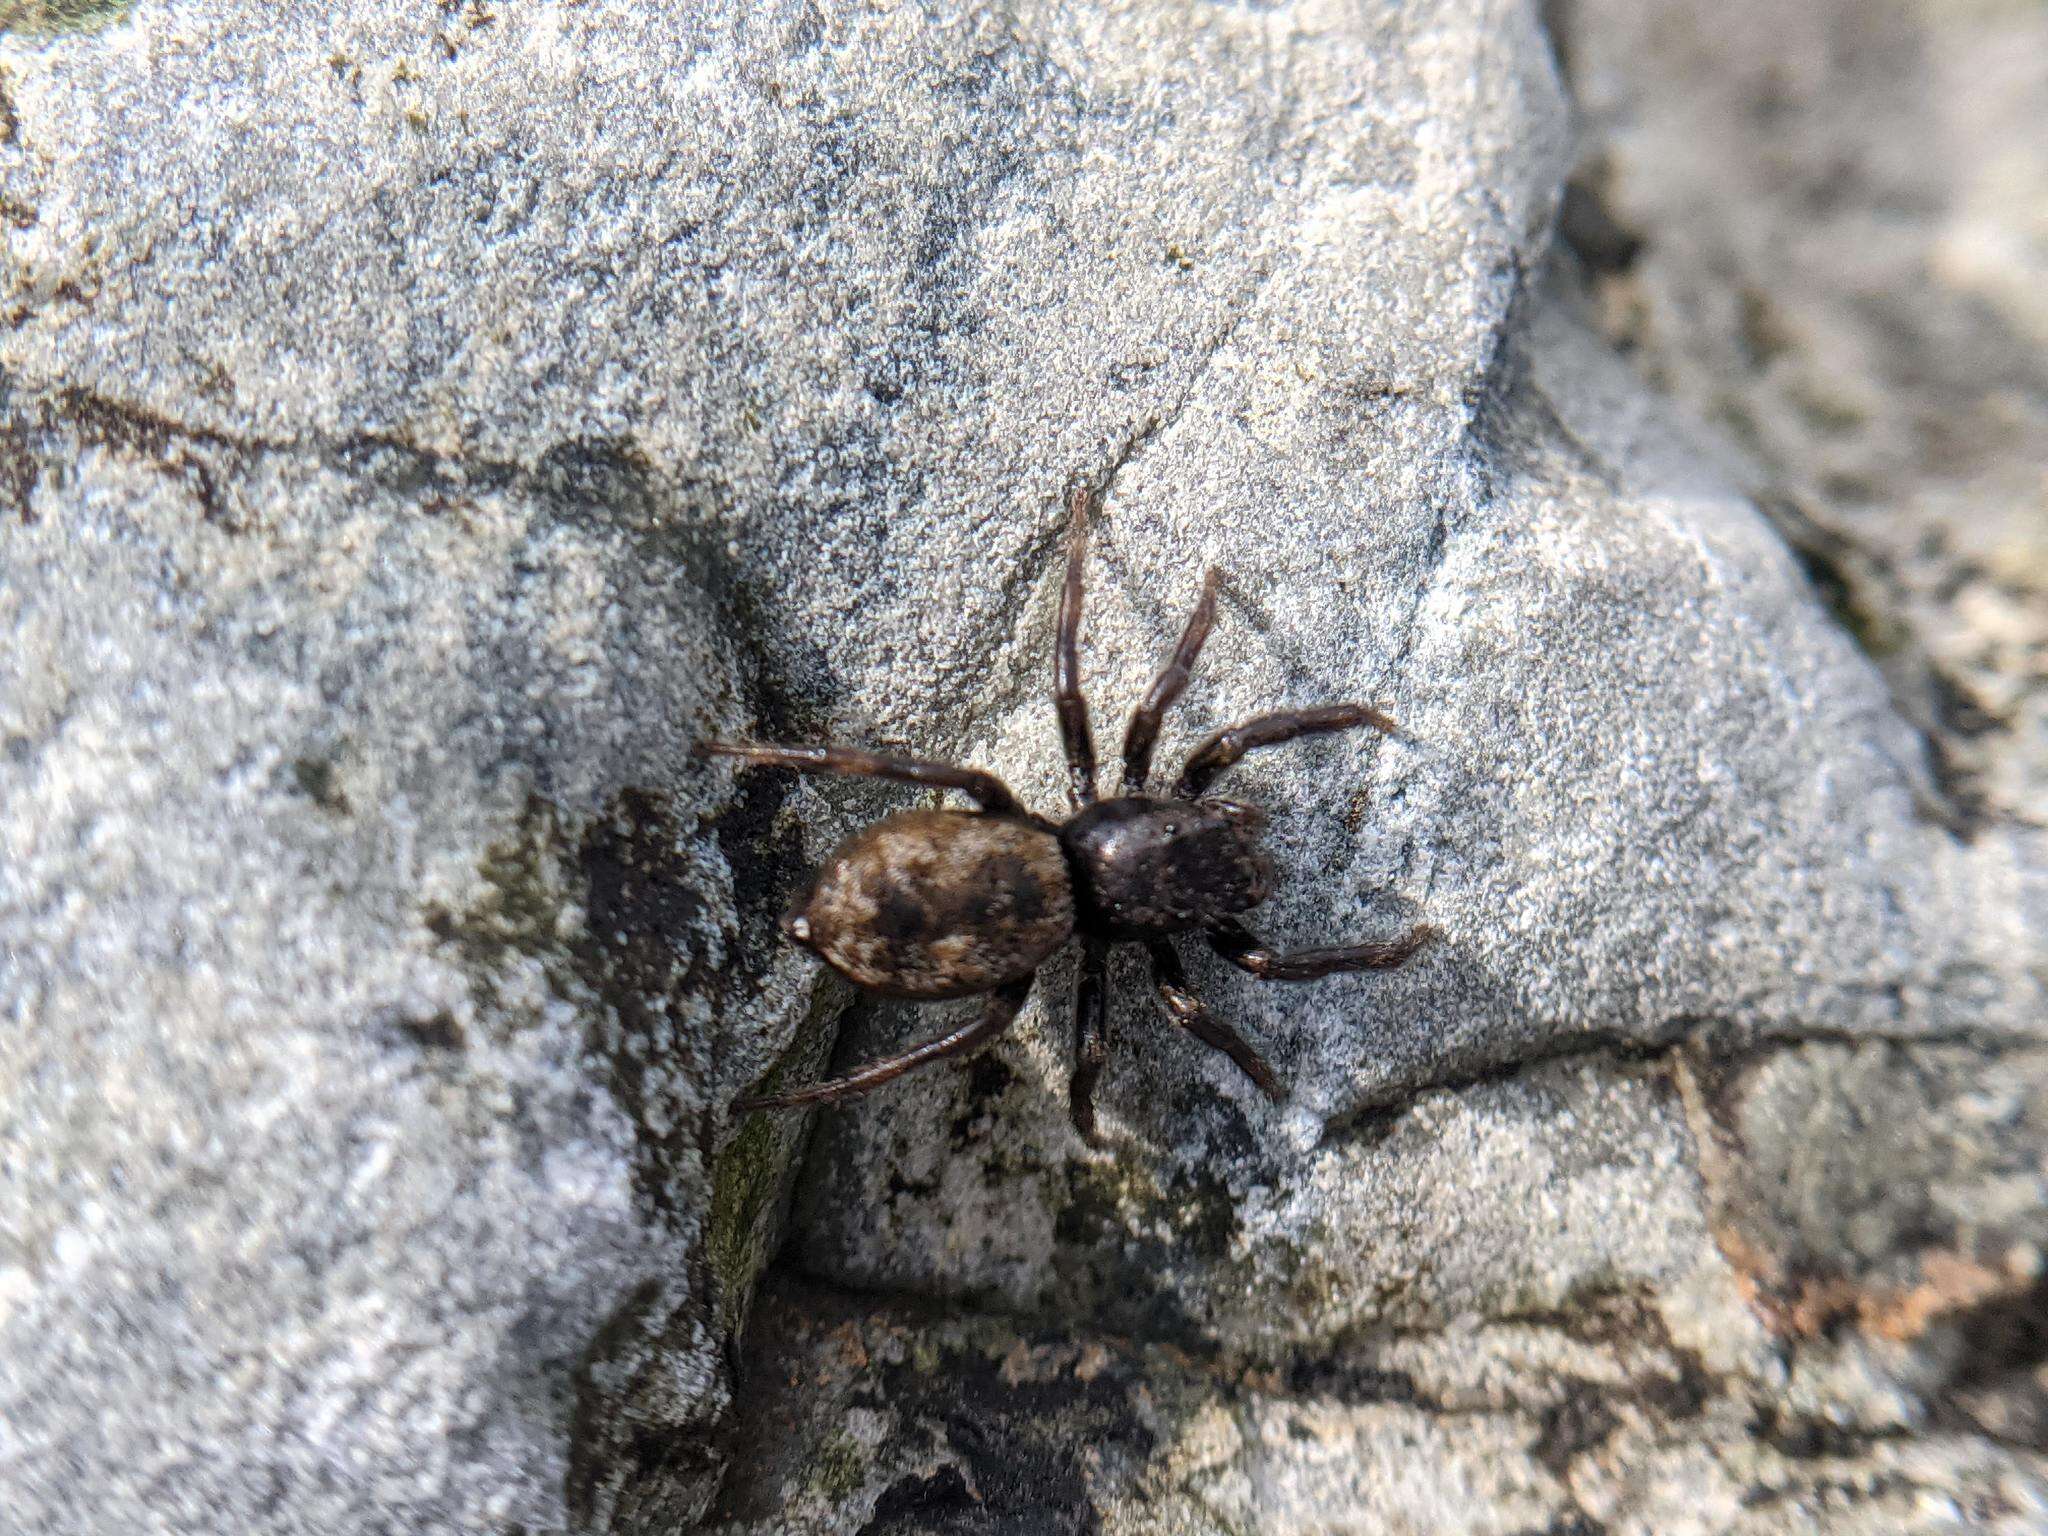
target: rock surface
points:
(1824, 230)
(420, 422)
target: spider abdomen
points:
(934, 904)
(1145, 867)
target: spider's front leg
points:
(985, 789)
(1067, 698)
(1218, 751)
(1142, 735)
(1243, 949)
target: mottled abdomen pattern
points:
(938, 904)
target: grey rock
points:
(419, 424)
(910, 1422)
(1649, 781)
(1820, 230)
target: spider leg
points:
(1143, 732)
(1189, 1013)
(1242, 948)
(1067, 697)
(987, 791)
(1219, 751)
(997, 1016)
(1091, 1037)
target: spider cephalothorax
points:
(936, 903)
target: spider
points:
(931, 904)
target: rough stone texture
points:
(887, 1418)
(420, 421)
(1824, 229)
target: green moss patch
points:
(47, 18)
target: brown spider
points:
(933, 904)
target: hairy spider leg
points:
(1243, 949)
(1091, 1035)
(1218, 751)
(1067, 697)
(1188, 1012)
(1143, 733)
(997, 1015)
(985, 789)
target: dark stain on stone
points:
(902, 1188)
(1627, 1318)
(1802, 1437)
(1350, 1384)
(640, 901)
(938, 1502)
(197, 455)
(1578, 1422)
(1015, 1439)
(1213, 1224)
(1865, 596)
(434, 477)
(21, 469)
(627, 1465)
(785, 676)
(1684, 1395)
(437, 1032)
(1587, 225)
(319, 783)
(764, 849)
(643, 952)
(885, 384)
(1848, 581)
(1125, 1276)
(597, 480)
(987, 1081)
(2006, 1337)
(523, 908)
(1570, 1525)
(48, 429)
(975, 1444)
(1995, 1379)
(1110, 1251)
(1965, 801)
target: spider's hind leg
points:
(997, 1016)
(1091, 1037)
(1188, 1012)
